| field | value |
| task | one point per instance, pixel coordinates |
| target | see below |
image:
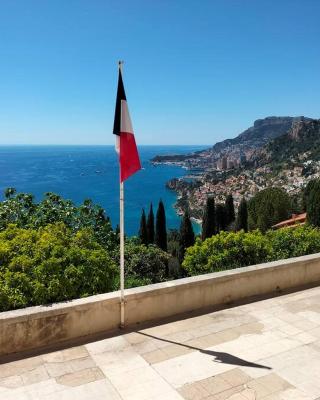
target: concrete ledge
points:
(36, 327)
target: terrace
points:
(263, 349)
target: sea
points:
(91, 172)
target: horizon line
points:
(71, 144)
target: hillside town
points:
(248, 164)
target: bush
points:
(21, 210)
(288, 242)
(233, 250)
(143, 264)
(51, 264)
(224, 251)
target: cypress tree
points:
(150, 225)
(209, 219)
(186, 235)
(229, 206)
(221, 222)
(242, 216)
(161, 229)
(143, 229)
(313, 204)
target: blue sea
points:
(81, 172)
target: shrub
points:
(51, 264)
(143, 264)
(224, 251)
(21, 210)
(233, 250)
(288, 242)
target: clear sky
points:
(195, 71)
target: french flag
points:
(125, 142)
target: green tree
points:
(143, 235)
(229, 207)
(268, 207)
(50, 264)
(313, 204)
(221, 222)
(144, 264)
(173, 242)
(20, 209)
(186, 235)
(209, 219)
(307, 191)
(242, 216)
(150, 225)
(161, 228)
(9, 192)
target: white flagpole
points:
(122, 297)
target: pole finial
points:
(120, 64)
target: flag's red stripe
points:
(129, 157)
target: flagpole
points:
(122, 297)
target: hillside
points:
(238, 149)
(288, 160)
(300, 143)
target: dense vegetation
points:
(228, 250)
(268, 207)
(55, 250)
(39, 266)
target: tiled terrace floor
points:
(265, 350)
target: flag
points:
(125, 142)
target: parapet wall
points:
(41, 326)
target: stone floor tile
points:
(310, 387)
(98, 390)
(139, 384)
(20, 366)
(81, 377)
(116, 343)
(259, 389)
(135, 338)
(305, 337)
(55, 369)
(215, 384)
(235, 377)
(172, 395)
(14, 395)
(190, 367)
(119, 362)
(81, 363)
(176, 350)
(40, 389)
(225, 395)
(37, 374)
(305, 325)
(179, 337)
(66, 355)
(155, 356)
(194, 391)
(274, 382)
(290, 329)
(294, 394)
(12, 381)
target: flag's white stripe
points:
(125, 125)
(117, 146)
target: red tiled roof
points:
(294, 221)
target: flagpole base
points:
(122, 306)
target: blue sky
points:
(195, 71)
